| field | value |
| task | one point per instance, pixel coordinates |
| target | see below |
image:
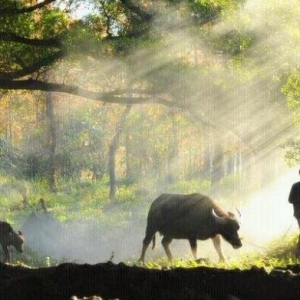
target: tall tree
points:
(173, 53)
(112, 153)
(51, 121)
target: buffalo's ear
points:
(20, 232)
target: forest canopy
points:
(133, 91)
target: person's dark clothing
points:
(294, 198)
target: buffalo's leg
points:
(193, 244)
(166, 242)
(217, 244)
(147, 240)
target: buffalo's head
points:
(228, 227)
(16, 240)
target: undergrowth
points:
(89, 200)
(278, 254)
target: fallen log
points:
(111, 281)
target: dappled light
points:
(124, 123)
(268, 215)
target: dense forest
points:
(106, 104)
(142, 91)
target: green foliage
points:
(209, 10)
(85, 200)
(83, 143)
(190, 186)
(10, 158)
(291, 89)
(48, 23)
(292, 154)
(233, 42)
(52, 23)
(279, 253)
(161, 150)
(128, 194)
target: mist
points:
(229, 99)
(266, 216)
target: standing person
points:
(294, 198)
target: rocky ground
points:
(111, 281)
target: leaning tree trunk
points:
(112, 154)
(9, 122)
(173, 153)
(217, 168)
(52, 140)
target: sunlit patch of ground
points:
(277, 254)
(268, 214)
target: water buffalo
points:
(8, 237)
(192, 217)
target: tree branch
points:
(144, 16)
(117, 96)
(12, 37)
(32, 68)
(15, 10)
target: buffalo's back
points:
(182, 216)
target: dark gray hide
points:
(8, 237)
(192, 217)
(43, 234)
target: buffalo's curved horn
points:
(218, 219)
(20, 233)
(231, 215)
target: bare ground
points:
(111, 281)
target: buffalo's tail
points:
(153, 241)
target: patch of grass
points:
(84, 200)
(190, 186)
(278, 254)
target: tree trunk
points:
(217, 168)
(207, 154)
(9, 122)
(129, 169)
(112, 154)
(172, 165)
(52, 140)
